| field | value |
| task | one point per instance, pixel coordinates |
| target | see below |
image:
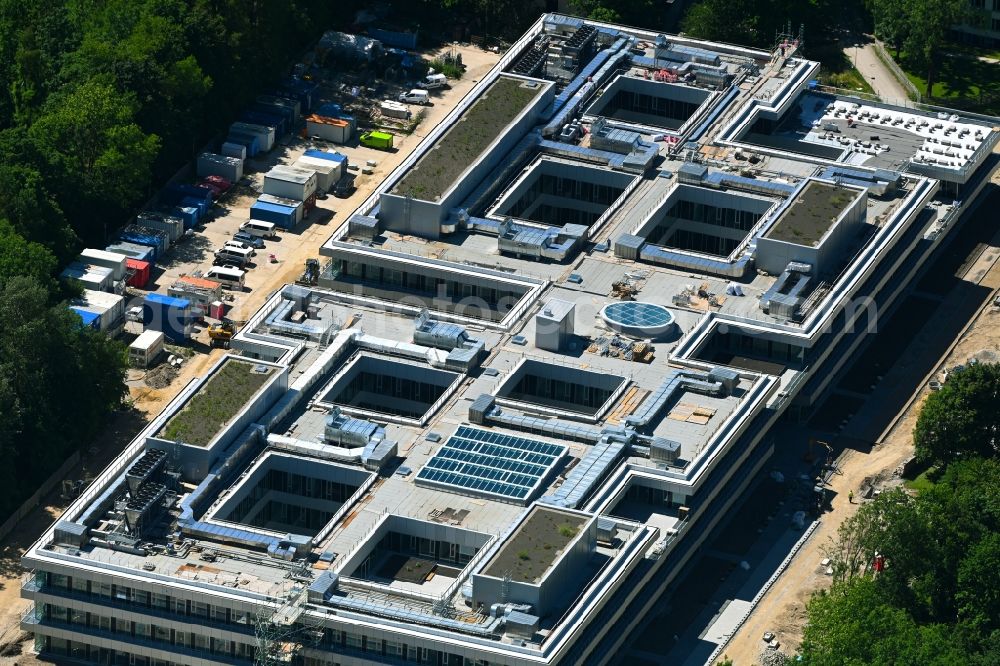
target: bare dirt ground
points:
(291, 252)
(782, 610)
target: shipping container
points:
(111, 308)
(289, 102)
(146, 236)
(327, 173)
(190, 215)
(403, 40)
(199, 291)
(285, 181)
(275, 122)
(202, 205)
(169, 224)
(329, 155)
(135, 251)
(169, 315)
(233, 149)
(265, 134)
(277, 110)
(210, 164)
(251, 142)
(304, 91)
(140, 272)
(89, 319)
(329, 129)
(146, 348)
(339, 165)
(112, 260)
(97, 278)
(282, 216)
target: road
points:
(867, 62)
(782, 609)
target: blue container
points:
(193, 191)
(249, 141)
(266, 119)
(145, 236)
(190, 215)
(329, 110)
(323, 155)
(275, 109)
(304, 91)
(171, 316)
(282, 216)
(200, 205)
(90, 319)
(135, 251)
(403, 40)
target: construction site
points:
(519, 391)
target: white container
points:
(284, 181)
(334, 130)
(327, 173)
(116, 262)
(111, 307)
(146, 348)
(394, 109)
(265, 133)
(230, 168)
(237, 150)
(97, 278)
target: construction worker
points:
(850, 496)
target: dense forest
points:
(99, 102)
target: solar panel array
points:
(484, 463)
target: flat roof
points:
(815, 209)
(479, 126)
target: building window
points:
(352, 641)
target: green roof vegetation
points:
(536, 544)
(479, 126)
(809, 217)
(216, 402)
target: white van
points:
(229, 277)
(432, 81)
(415, 96)
(233, 255)
(259, 228)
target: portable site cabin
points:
(97, 278)
(112, 260)
(171, 225)
(327, 173)
(284, 181)
(233, 149)
(265, 135)
(146, 348)
(199, 291)
(328, 156)
(169, 315)
(210, 164)
(334, 130)
(110, 307)
(139, 272)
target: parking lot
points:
(195, 253)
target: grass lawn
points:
(924, 481)
(962, 81)
(837, 70)
(215, 402)
(437, 170)
(536, 544)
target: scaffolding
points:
(281, 632)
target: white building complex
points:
(451, 450)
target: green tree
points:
(891, 20)
(961, 419)
(21, 257)
(91, 141)
(929, 25)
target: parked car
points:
(344, 188)
(249, 239)
(239, 245)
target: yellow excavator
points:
(220, 334)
